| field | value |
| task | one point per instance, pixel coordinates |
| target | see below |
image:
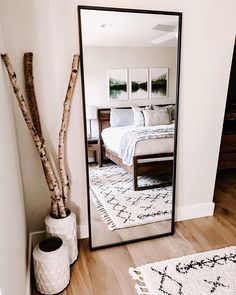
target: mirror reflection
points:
(130, 86)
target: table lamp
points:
(91, 114)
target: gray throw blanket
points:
(130, 138)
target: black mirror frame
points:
(179, 14)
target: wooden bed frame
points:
(139, 167)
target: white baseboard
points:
(194, 211)
(82, 231)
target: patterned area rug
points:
(211, 272)
(120, 206)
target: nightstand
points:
(94, 147)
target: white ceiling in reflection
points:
(123, 29)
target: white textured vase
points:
(65, 228)
(51, 266)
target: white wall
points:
(13, 232)
(49, 29)
(97, 61)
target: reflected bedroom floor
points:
(118, 213)
(102, 235)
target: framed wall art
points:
(118, 84)
(138, 79)
(158, 82)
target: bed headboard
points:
(103, 119)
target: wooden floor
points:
(105, 272)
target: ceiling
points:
(123, 29)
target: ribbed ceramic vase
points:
(51, 266)
(65, 228)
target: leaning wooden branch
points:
(30, 92)
(64, 127)
(33, 109)
(56, 195)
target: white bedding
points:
(112, 138)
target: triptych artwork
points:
(138, 83)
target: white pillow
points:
(171, 109)
(156, 117)
(121, 117)
(138, 115)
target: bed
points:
(147, 156)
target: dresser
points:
(227, 157)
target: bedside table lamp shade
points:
(91, 114)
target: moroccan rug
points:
(211, 272)
(111, 189)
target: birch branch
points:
(30, 92)
(63, 130)
(56, 195)
(33, 108)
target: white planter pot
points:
(65, 228)
(51, 266)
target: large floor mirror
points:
(130, 81)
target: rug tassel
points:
(104, 215)
(135, 275)
(141, 290)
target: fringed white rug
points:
(211, 272)
(120, 206)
